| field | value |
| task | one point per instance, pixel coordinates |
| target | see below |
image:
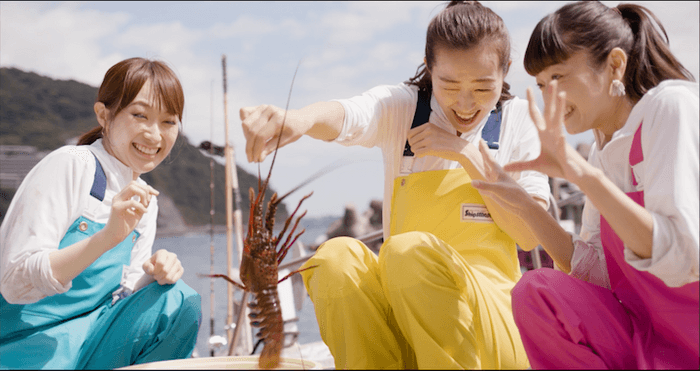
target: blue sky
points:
(345, 48)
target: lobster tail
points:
(266, 314)
(270, 356)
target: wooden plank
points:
(218, 363)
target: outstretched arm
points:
(262, 125)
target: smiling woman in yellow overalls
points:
(438, 294)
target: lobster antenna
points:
(284, 120)
(325, 170)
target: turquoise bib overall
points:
(81, 328)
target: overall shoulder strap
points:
(421, 116)
(99, 185)
(636, 155)
(490, 133)
(492, 129)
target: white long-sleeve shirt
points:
(668, 175)
(382, 116)
(52, 196)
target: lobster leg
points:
(256, 346)
(271, 211)
(286, 246)
(289, 219)
(251, 214)
(227, 278)
(296, 271)
(282, 252)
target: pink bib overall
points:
(665, 319)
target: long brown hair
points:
(593, 27)
(464, 25)
(123, 82)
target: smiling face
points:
(467, 83)
(142, 134)
(588, 103)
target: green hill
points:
(45, 113)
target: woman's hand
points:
(431, 140)
(262, 126)
(557, 158)
(164, 266)
(530, 223)
(128, 206)
(499, 186)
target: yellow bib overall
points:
(438, 295)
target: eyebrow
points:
(448, 80)
(141, 103)
(483, 79)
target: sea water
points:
(193, 251)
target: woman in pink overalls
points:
(630, 300)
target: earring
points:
(617, 88)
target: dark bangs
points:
(166, 86)
(125, 80)
(464, 25)
(546, 46)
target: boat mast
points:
(243, 324)
(211, 220)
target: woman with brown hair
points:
(76, 244)
(630, 299)
(438, 294)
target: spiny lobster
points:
(261, 256)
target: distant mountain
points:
(45, 113)
(42, 112)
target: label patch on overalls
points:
(476, 213)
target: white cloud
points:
(243, 26)
(544, 7)
(167, 40)
(681, 19)
(387, 55)
(62, 41)
(347, 47)
(361, 21)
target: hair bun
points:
(455, 3)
